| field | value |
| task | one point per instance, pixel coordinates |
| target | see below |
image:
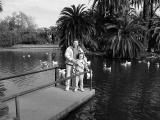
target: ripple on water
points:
(131, 93)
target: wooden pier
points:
(50, 103)
(45, 102)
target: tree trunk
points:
(146, 9)
(151, 41)
(147, 15)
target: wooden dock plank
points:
(50, 103)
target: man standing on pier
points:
(71, 54)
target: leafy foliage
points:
(21, 29)
(109, 6)
(152, 32)
(127, 35)
(156, 36)
(74, 23)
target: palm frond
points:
(74, 23)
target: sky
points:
(45, 13)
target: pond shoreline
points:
(39, 48)
(29, 47)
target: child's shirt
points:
(81, 64)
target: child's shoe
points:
(75, 89)
(82, 89)
(67, 88)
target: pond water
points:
(16, 62)
(123, 92)
(130, 92)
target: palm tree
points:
(127, 35)
(104, 12)
(74, 23)
(157, 31)
(155, 38)
(108, 6)
(113, 5)
(149, 12)
(148, 7)
(152, 32)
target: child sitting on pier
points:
(79, 67)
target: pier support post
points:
(17, 108)
(55, 75)
(91, 79)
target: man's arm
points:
(81, 50)
(68, 55)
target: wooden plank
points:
(51, 103)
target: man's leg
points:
(68, 74)
(76, 83)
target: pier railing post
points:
(55, 76)
(17, 108)
(90, 79)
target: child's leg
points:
(73, 80)
(81, 82)
(76, 84)
(77, 81)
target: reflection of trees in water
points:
(132, 93)
(150, 100)
(126, 94)
(135, 94)
(19, 62)
(14, 63)
(144, 98)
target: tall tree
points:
(74, 23)
(126, 35)
(111, 6)
(149, 8)
(147, 5)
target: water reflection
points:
(123, 93)
(17, 62)
(127, 93)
